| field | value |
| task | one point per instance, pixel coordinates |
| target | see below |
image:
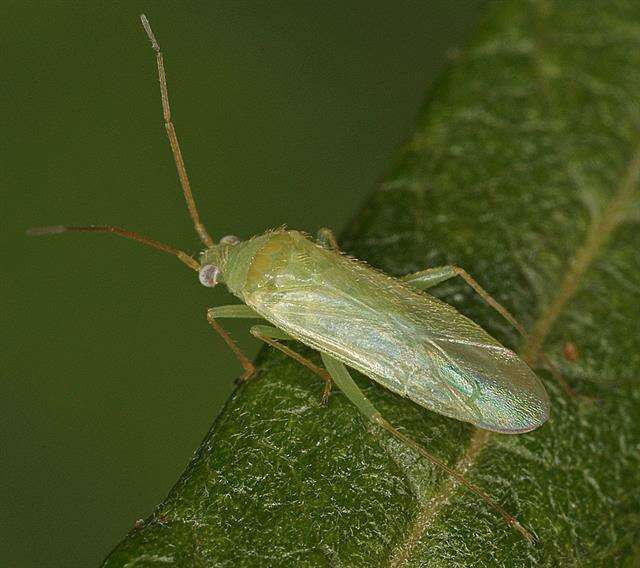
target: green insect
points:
(389, 329)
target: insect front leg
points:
(340, 374)
(234, 311)
(327, 239)
(425, 279)
(271, 335)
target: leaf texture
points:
(524, 169)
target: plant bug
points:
(387, 328)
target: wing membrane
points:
(410, 342)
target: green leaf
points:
(523, 169)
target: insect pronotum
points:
(387, 328)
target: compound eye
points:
(229, 240)
(209, 275)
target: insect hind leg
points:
(430, 277)
(271, 335)
(340, 374)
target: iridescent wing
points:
(408, 341)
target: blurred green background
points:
(288, 112)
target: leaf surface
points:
(524, 170)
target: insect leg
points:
(247, 365)
(270, 335)
(234, 311)
(327, 239)
(432, 276)
(429, 277)
(347, 385)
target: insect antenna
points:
(509, 519)
(148, 241)
(173, 138)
